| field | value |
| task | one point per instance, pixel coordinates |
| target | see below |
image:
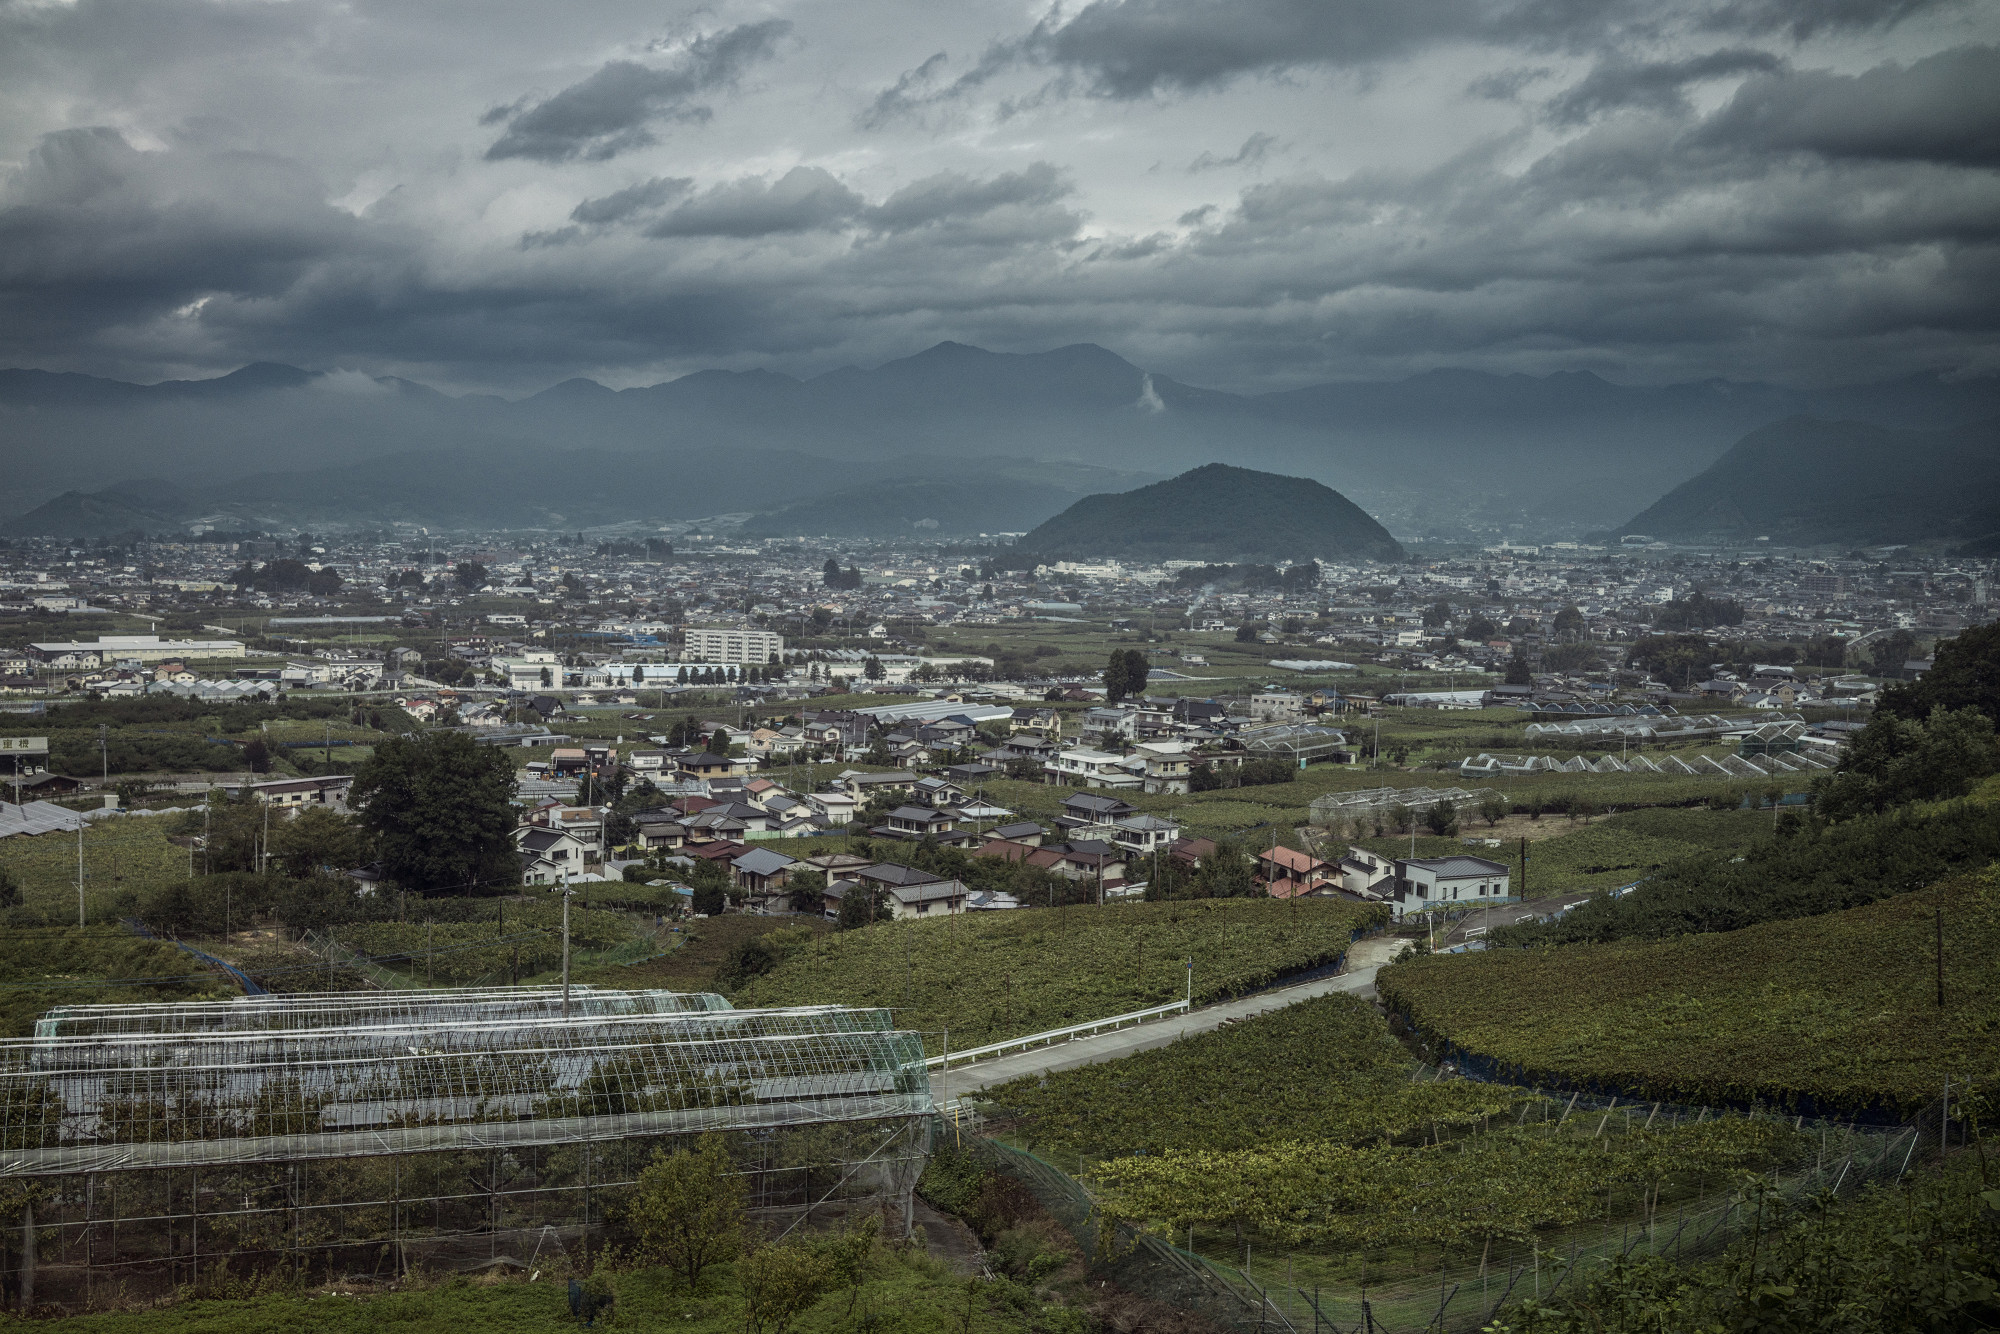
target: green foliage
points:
(1965, 674)
(780, 1283)
(1898, 759)
(46, 966)
(1911, 1261)
(687, 1209)
(1698, 612)
(1836, 1013)
(1506, 1184)
(440, 809)
(1678, 660)
(1125, 674)
(989, 976)
(1841, 866)
(1322, 1070)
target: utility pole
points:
(565, 966)
(1940, 944)
(104, 756)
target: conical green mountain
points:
(1217, 512)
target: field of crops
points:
(129, 853)
(988, 976)
(458, 953)
(41, 967)
(1837, 1012)
(1325, 1070)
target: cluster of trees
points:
(832, 576)
(440, 811)
(1125, 674)
(729, 675)
(286, 575)
(1698, 612)
(1205, 777)
(1227, 873)
(1928, 739)
(1816, 869)
(1251, 578)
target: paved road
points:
(966, 1079)
(1473, 926)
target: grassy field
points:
(989, 976)
(1835, 1012)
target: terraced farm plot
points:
(1834, 1014)
(1324, 1069)
(988, 976)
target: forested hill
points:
(1805, 480)
(1217, 512)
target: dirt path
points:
(949, 1240)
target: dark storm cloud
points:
(1945, 108)
(1655, 86)
(622, 204)
(1127, 49)
(804, 199)
(614, 109)
(1254, 150)
(952, 195)
(94, 231)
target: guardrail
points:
(1055, 1035)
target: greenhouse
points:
(1378, 800)
(143, 1144)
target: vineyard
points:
(526, 943)
(1322, 1070)
(42, 967)
(1812, 871)
(131, 853)
(1835, 1014)
(988, 976)
(1305, 1146)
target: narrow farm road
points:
(964, 1080)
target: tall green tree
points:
(1137, 670)
(1896, 760)
(687, 1209)
(1117, 681)
(1517, 669)
(1964, 675)
(441, 811)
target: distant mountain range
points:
(1003, 441)
(1805, 481)
(1216, 512)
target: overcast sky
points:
(1249, 194)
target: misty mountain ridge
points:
(1446, 451)
(1806, 481)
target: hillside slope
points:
(1833, 1014)
(1217, 512)
(1805, 480)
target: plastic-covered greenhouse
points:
(351, 1132)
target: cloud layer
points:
(1252, 194)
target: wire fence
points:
(1254, 1294)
